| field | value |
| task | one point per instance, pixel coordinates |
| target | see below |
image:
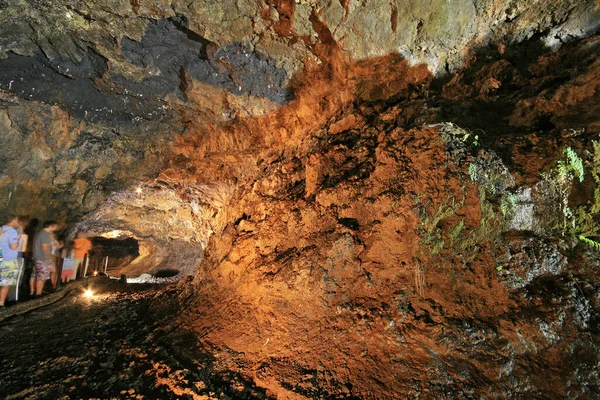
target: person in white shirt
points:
(9, 244)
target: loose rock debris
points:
(109, 346)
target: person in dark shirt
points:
(42, 255)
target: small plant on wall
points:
(586, 217)
(590, 242)
(559, 182)
(580, 221)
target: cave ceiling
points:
(187, 99)
(124, 63)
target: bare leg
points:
(3, 294)
(32, 286)
(53, 278)
(39, 286)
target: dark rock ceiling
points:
(106, 96)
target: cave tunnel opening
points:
(112, 254)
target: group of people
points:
(43, 255)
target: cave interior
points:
(330, 199)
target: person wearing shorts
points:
(42, 255)
(43, 270)
(68, 271)
(10, 265)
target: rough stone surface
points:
(49, 155)
(121, 328)
(339, 251)
(346, 211)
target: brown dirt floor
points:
(110, 346)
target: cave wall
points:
(294, 156)
(328, 283)
(378, 254)
(59, 167)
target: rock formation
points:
(376, 199)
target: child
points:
(68, 269)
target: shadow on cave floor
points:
(115, 344)
(166, 273)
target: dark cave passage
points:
(111, 255)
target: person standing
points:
(13, 293)
(57, 245)
(67, 272)
(42, 255)
(23, 238)
(30, 230)
(9, 267)
(82, 246)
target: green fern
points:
(563, 171)
(462, 134)
(509, 203)
(439, 246)
(590, 242)
(584, 223)
(560, 182)
(473, 171)
(574, 163)
(595, 172)
(454, 235)
(447, 208)
(431, 233)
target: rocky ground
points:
(118, 344)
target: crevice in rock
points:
(394, 16)
(208, 49)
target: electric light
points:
(112, 234)
(116, 233)
(88, 293)
(138, 190)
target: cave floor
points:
(114, 345)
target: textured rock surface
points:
(121, 328)
(343, 249)
(130, 77)
(60, 167)
(356, 241)
(125, 58)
